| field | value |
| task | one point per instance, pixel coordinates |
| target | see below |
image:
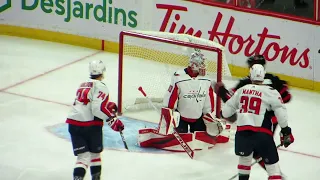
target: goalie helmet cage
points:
(163, 49)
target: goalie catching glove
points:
(213, 124)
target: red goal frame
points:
(169, 41)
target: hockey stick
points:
(124, 140)
(183, 144)
(252, 164)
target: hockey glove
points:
(216, 86)
(286, 136)
(112, 107)
(115, 124)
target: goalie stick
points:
(183, 144)
(252, 164)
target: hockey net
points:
(149, 59)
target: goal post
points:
(149, 59)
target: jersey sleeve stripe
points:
(104, 109)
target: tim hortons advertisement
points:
(102, 19)
(288, 46)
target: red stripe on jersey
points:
(96, 160)
(254, 129)
(211, 98)
(173, 97)
(84, 124)
(243, 167)
(103, 107)
(275, 177)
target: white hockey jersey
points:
(89, 107)
(255, 104)
(191, 97)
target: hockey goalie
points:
(188, 108)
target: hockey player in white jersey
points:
(89, 111)
(189, 108)
(254, 125)
(190, 93)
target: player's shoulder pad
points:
(244, 81)
(100, 85)
(179, 73)
(239, 90)
(272, 91)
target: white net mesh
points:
(151, 64)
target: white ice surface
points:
(29, 152)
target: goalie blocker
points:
(162, 137)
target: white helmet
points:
(96, 67)
(196, 61)
(257, 72)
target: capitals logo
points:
(198, 95)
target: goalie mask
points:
(197, 63)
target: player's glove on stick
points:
(286, 136)
(112, 107)
(115, 124)
(216, 86)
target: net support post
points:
(120, 69)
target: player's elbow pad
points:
(282, 117)
(96, 111)
(227, 111)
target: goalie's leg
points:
(183, 127)
(199, 125)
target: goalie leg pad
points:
(168, 120)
